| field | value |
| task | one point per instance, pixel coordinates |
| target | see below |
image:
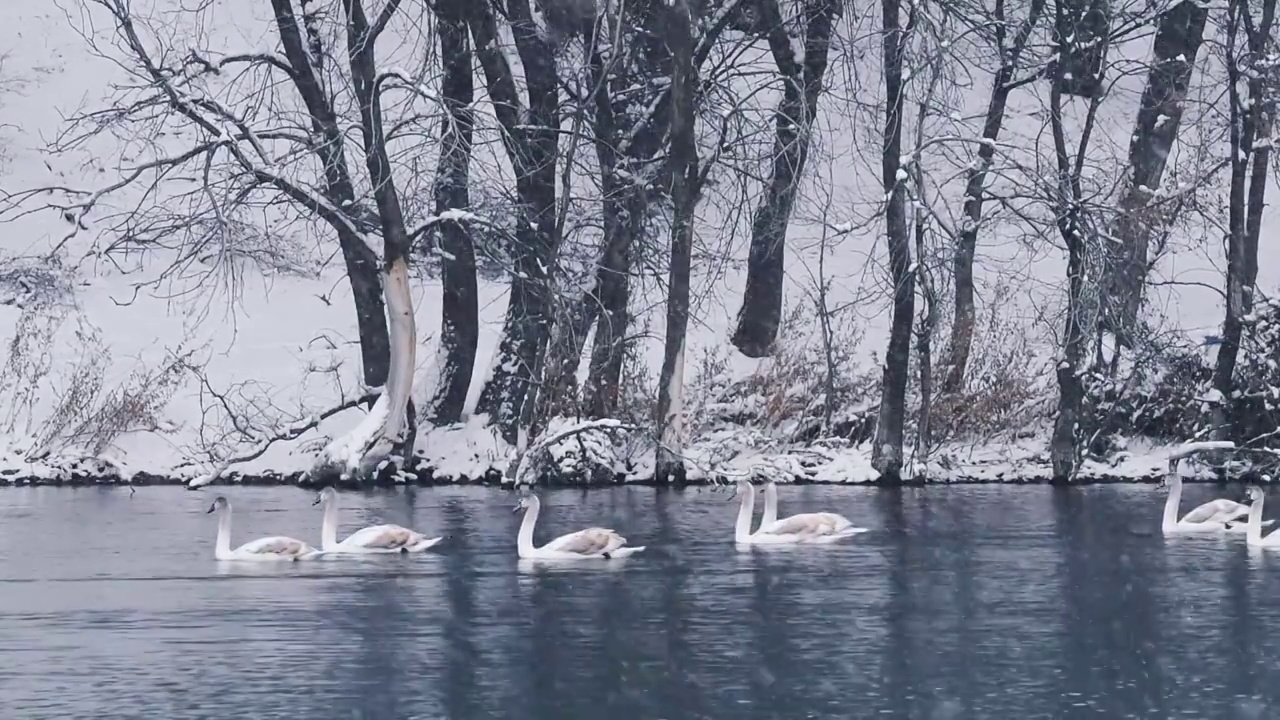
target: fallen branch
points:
(293, 432)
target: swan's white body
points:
(823, 526)
(1211, 517)
(267, 549)
(1253, 530)
(591, 543)
(373, 540)
(811, 528)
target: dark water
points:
(960, 603)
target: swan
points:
(1213, 516)
(375, 539)
(1254, 536)
(803, 531)
(593, 542)
(264, 549)
(769, 522)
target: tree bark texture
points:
(361, 38)
(1179, 32)
(460, 311)
(761, 312)
(684, 195)
(886, 454)
(531, 139)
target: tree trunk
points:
(371, 313)
(361, 38)
(684, 197)
(1179, 32)
(761, 312)
(1250, 134)
(975, 194)
(460, 311)
(302, 53)
(886, 454)
(1067, 202)
(531, 139)
(624, 222)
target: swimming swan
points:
(817, 522)
(1254, 529)
(593, 542)
(814, 531)
(1213, 516)
(375, 539)
(261, 550)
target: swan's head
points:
(325, 495)
(742, 488)
(1255, 493)
(526, 501)
(219, 503)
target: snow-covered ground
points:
(280, 344)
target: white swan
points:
(809, 532)
(1254, 536)
(264, 549)
(593, 542)
(374, 539)
(1213, 516)
(822, 524)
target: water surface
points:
(961, 602)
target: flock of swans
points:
(589, 543)
(1216, 516)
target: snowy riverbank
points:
(472, 461)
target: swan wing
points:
(1214, 511)
(384, 537)
(591, 541)
(807, 524)
(277, 545)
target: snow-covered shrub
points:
(792, 395)
(1157, 392)
(1165, 392)
(1255, 408)
(1009, 387)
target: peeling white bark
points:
(382, 428)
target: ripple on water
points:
(961, 602)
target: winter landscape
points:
(583, 242)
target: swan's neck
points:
(1171, 502)
(747, 506)
(222, 546)
(1255, 522)
(329, 526)
(524, 540)
(770, 515)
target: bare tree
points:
(684, 197)
(530, 136)
(287, 153)
(1012, 61)
(761, 311)
(887, 450)
(1251, 118)
(1179, 33)
(460, 311)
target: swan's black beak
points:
(516, 509)
(316, 501)
(211, 509)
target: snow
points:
(281, 346)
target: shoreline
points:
(494, 479)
